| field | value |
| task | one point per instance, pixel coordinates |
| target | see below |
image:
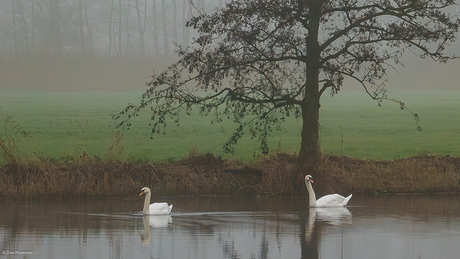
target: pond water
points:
(218, 227)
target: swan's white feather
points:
(160, 208)
(333, 200)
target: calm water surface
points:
(377, 227)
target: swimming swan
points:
(159, 208)
(331, 200)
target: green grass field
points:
(65, 125)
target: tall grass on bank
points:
(420, 174)
(206, 174)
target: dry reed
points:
(205, 174)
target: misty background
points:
(79, 45)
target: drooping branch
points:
(380, 95)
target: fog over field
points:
(64, 45)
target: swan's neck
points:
(311, 194)
(147, 203)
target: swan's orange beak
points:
(140, 194)
(311, 180)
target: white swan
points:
(330, 200)
(159, 208)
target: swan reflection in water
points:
(332, 216)
(312, 227)
(156, 221)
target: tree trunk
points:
(145, 23)
(109, 51)
(155, 29)
(55, 30)
(140, 30)
(120, 28)
(310, 153)
(165, 30)
(82, 31)
(25, 41)
(15, 37)
(33, 29)
(127, 30)
(309, 149)
(186, 15)
(89, 41)
(174, 10)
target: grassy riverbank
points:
(206, 174)
(65, 145)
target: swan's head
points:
(308, 178)
(144, 191)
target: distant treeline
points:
(53, 29)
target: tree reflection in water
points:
(383, 227)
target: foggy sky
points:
(89, 56)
